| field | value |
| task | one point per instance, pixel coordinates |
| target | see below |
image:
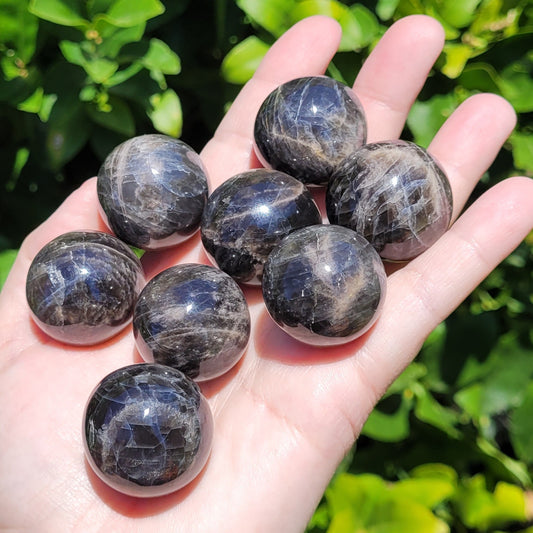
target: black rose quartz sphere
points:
(248, 215)
(147, 430)
(194, 318)
(395, 195)
(307, 126)
(82, 287)
(152, 191)
(324, 285)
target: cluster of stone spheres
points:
(147, 428)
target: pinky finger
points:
(429, 288)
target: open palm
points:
(287, 413)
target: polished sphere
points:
(82, 287)
(193, 318)
(324, 285)
(152, 191)
(395, 195)
(147, 430)
(248, 215)
(307, 126)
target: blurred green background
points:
(450, 447)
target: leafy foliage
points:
(76, 74)
(450, 446)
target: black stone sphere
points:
(193, 318)
(307, 126)
(82, 287)
(248, 215)
(152, 191)
(395, 195)
(324, 285)
(147, 430)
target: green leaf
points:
(389, 427)
(426, 117)
(67, 132)
(385, 8)
(359, 25)
(456, 56)
(38, 103)
(117, 118)
(458, 14)
(95, 7)
(480, 77)
(161, 58)
(64, 12)
(482, 510)
(410, 375)
(435, 471)
(320, 518)
(99, 69)
(428, 410)
(366, 27)
(19, 28)
(114, 38)
(21, 158)
(511, 369)
(494, 18)
(273, 15)
(366, 504)
(517, 86)
(405, 516)
(33, 103)
(522, 144)
(125, 13)
(243, 59)
(166, 114)
(521, 428)
(344, 521)
(72, 52)
(426, 492)
(504, 465)
(124, 75)
(358, 493)
(7, 258)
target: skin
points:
(287, 414)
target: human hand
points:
(287, 413)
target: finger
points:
(429, 288)
(395, 71)
(297, 53)
(469, 141)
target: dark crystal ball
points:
(248, 215)
(395, 195)
(193, 318)
(147, 430)
(82, 287)
(152, 191)
(324, 285)
(307, 126)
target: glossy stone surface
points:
(147, 430)
(307, 126)
(324, 285)
(152, 191)
(395, 195)
(194, 318)
(82, 287)
(248, 215)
